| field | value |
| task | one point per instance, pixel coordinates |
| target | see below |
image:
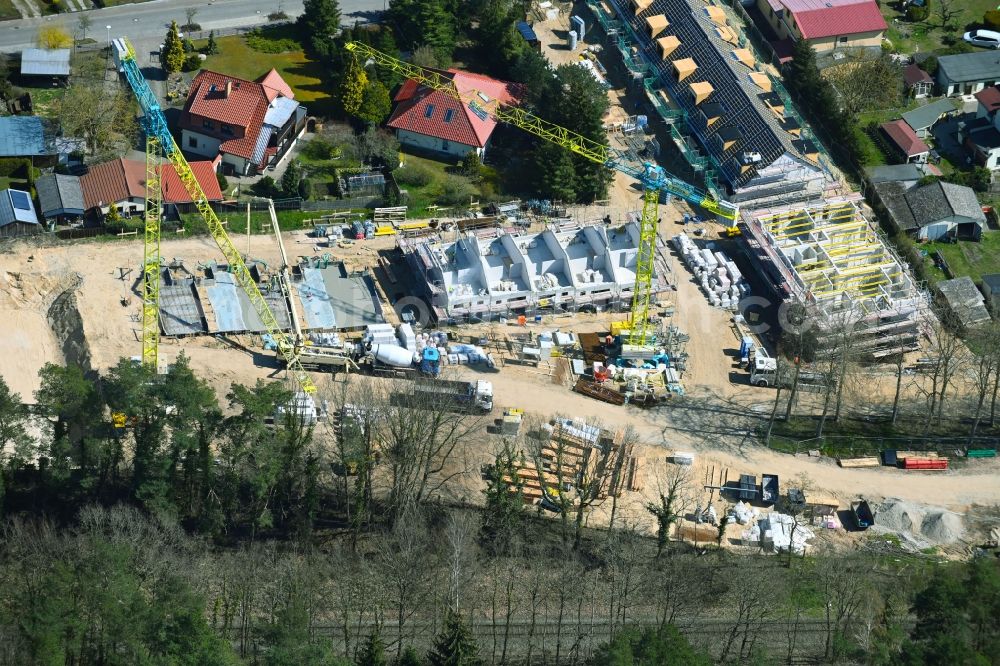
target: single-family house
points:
(122, 183)
(433, 121)
(968, 73)
(963, 301)
(250, 124)
(827, 25)
(904, 142)
(991, 290)
(934, 211)
(923, 118)
(919, 84)
(60, 198)
(17, 214)
(981, 136)
(50, 65)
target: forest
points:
(204, 533)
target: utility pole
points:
(248, 230)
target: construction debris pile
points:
(919, 526)
(576, 463)
(720, 279)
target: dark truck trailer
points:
(863, 515)
(477, 395)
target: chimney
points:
(229, 88)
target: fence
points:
(859, 445)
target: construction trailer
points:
(830, 259)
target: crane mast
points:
(154, 124)
(653, 178)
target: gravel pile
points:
(932, 523)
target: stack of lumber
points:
(869, 461)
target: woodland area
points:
(203, 534)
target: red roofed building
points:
(827, 24)
(251, 124)
(122, 183)
(905, 142)
(431, 120)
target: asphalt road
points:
(149, 20)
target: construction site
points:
(524, 315)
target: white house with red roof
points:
(250, 125)
(433, 121)
(122, 183)
(827, 24)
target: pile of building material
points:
(720, 279)
(779, 532)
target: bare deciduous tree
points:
(674, 491)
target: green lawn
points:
(929, 35)
(967, 258)
(7, 10)
(237, 221)
(302, 74)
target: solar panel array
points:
(20, 199)
(711, 47)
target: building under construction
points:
(829, 258)
(325, 295)
(496, 273)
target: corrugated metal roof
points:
(23, 136)
(59, 194)
(45, 62)
(16, 206)
(279, 111)
(904, 137)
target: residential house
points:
(827, 25)
(17, 214)
(28, 136)
(919, 84)
(250, 124)
(981, 136)
(434, 121)
(904, 142)
(933, 211)
(122, 183)
(968, 73)
(964, 301)
(923, 118)
(60, 198)
(739, 115)
(991, 290)
(50, 65)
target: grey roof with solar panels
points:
(16, 206)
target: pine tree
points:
(504, 510)
(291, 178)
(113, 218)
(211, 48)
(373, 652)
(455, 645)
(352, 87)
(375, 104)
(318, 25)
(409, 658)
(172, 56)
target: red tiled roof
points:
(274, 85)
(840, 20)
(424, 111)
(120, 180)
(244, 108)
(914, 75)
(990, 98)
(904, 137)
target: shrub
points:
(192, 63)
(191, 27)
(17, 167)
(306, 189)
(416, 175)
(318, 149)
(917, 14)
(930, 65)
(992, 19)
(277, 16)
(457, 190)
(223, 183)
(265, 187)
(188, 45)
(259, 41)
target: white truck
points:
(764, 372)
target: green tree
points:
(172, 55)
(503, 514)
(13, 428)
(553, 172)
(500, 44)
(472, 166)
(212, 48)
(352, 87)
(375, 103)
(291, 178)
(409, 658)
(650, 647)
(455, 645)
(318, 25)
(424, 22)
(291, 642)
(373, 652)
(66, 395)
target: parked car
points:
(985, 38)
